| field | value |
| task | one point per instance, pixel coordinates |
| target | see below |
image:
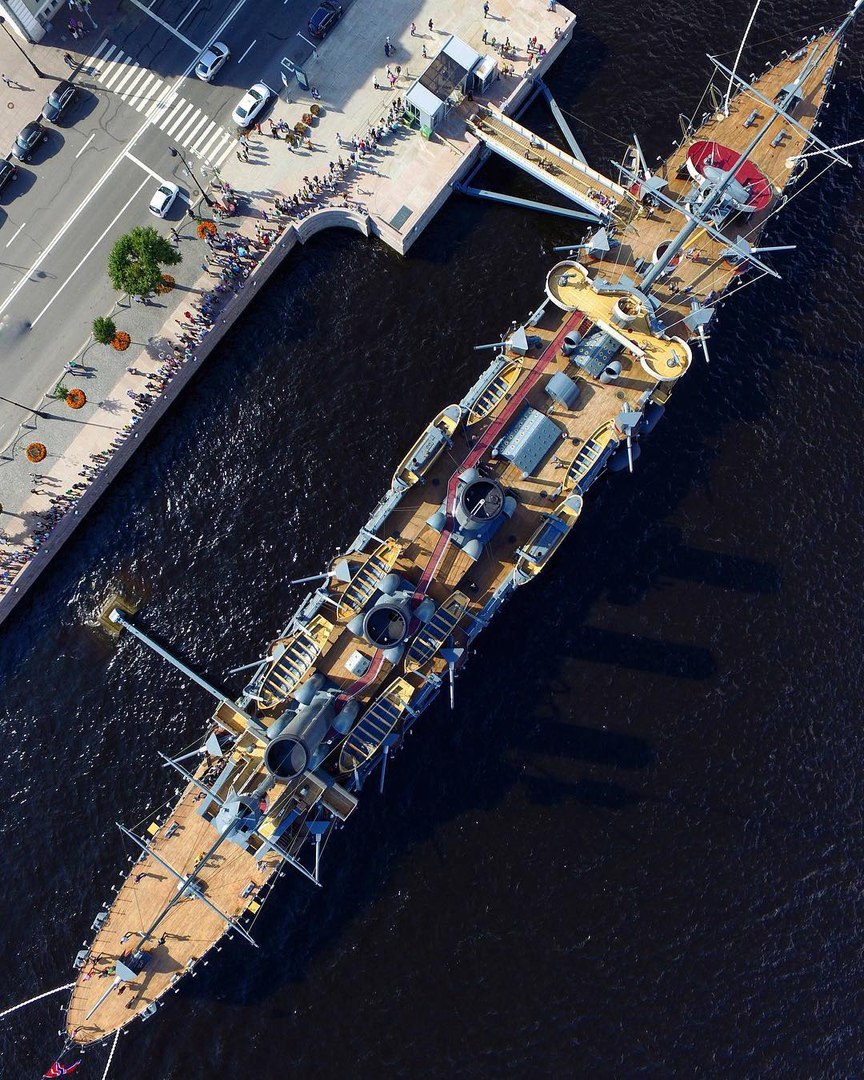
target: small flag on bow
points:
(61, 1070)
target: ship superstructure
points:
(475, 510)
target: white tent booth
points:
(442, 84)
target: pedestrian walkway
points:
(139, 87)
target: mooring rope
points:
(111, 1055)
(48, 993)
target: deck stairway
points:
(553, 167)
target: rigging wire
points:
(111, 1054)
(38, 997)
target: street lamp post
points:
(176, 153)
(11, 37)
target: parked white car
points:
(251, 104)
(211, 61)
(164, 198)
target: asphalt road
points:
(93, 178)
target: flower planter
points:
(121, 341)
(206, 228)
(76, 399)
(166, 284)
(36, 452)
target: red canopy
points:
(706, 153)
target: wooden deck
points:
(434, 568)
(187, 932)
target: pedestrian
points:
(69, 59)
(398, 71)
(375, 83)
(485, 35)
(175, 237)
(413, 29)
(485, 11)
(258, 128)
(430, 26)
(425, 54)
(7, 81)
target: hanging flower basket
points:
(300, 128)
(36, 452)
(307, 119)
(76, 399)
(206, 228)
(121, 341)
(315, 109)
(166, 284)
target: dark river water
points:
(635, 847)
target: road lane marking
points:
(116, 67)
(245, 54)
(20, 227)
(140, 99)
(186, 126)
(208, 139)
(212, 131)
(108, 229)
(176, 117)
(95, 56)
(130, 71)
(109, 172)
(192, 136)
(228, 151)
(161, 105)
(86, 144)
(103, 73)
(140, 72)
(203, 137)
(167, 26)
(159, 179)
(137, 161)
(188, 13)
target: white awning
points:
(423, 100)
(463, 54)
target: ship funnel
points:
(386, 625)
(286, 757)
(480, 501)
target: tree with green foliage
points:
(104, 330)
(135, 262)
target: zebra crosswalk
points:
(184, 122)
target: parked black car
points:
(8, 172)
(324, 19)
(28, 139)
(59, 100)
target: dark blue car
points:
(325, 17)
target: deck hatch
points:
(528, 441)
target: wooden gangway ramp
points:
(550, 165)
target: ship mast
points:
(702, 212)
